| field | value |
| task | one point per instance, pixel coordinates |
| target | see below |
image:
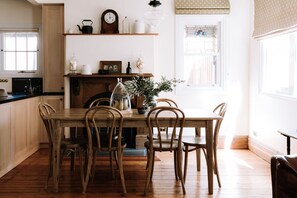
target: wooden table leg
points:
(198, 153)
(209, 151)
(56, 153)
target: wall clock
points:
(109, 22)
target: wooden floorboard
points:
(243, 174)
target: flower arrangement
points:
(146, 87)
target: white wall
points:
(236, 35)
(268, 113)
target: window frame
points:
(291, 91)
(181, 21)
(18, 73)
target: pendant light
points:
(154, 3)
(154, 15)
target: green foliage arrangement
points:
(139, 86)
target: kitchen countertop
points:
(12, 97)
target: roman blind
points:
(274, 16)
(202, 7)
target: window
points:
(278, 60)
(19, 51)
(198, 51)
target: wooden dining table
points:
(74, 117)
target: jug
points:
(86, 70)
(86, 29)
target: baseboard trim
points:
(237, 142)
(261, 150)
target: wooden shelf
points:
(95, 75)
(97, 34)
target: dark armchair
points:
(284, 176)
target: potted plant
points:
(139, 86)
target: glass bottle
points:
(73, 64)
(128, 69)
(126, 26)
(120, 98)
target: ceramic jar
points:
(139, 27)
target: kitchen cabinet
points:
(5, 137)
(34, 123)
(19, 124)
(53, 47)
(19, 132)
(58, 103)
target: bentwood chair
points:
(100, 102)
(162, 102)
(173, 144)
(166, 102)
(68, 145)
(197, 142)
(104, 132)
(96, 103)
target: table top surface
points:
(79, 113)
(292, 134)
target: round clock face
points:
(109, 17)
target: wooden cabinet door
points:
(34, 124)
(5, 137)
(53, 47)
(58, 103)
(19, 126)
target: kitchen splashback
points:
(27, 86)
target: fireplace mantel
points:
(84, 87)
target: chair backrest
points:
(175, 122)
(166, 102)
(46, 109)
(100, 102)
(220, 110)
(106, 123)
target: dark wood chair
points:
(173, 144)
(284, 176)
(68, 145)
(197, 142)
(104, 133)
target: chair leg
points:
(116, 158)
(50, 171)
(216, 170)
(72, 160)
(85, 177)
(148, 157)
(111, 164)
(149, 173)
(94, 164)
(186, 162)
(120, 162)
(180, 174)
(153, 166)
(175, 165)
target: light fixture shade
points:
(154, 16)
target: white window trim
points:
(182, 20)
(38, 72)
(276, 94)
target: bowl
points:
(3, 92)
(141, 110)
